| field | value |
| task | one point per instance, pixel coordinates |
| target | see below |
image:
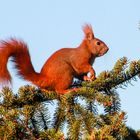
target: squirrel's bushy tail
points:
(18, 51)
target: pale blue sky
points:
(48, 25)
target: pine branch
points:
(106, 80)
(25, 114)
(117, 76)
(115, 103)
(59, 116)
(41, 117)
(27, 95)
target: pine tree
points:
(28, 115)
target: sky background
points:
(48, 25)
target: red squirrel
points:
(59, 70)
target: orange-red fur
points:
(60, 69)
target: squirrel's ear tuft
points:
(87, 28)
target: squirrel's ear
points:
(88, 31)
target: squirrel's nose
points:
(107, 49)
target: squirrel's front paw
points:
(92, 78)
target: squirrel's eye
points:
(98, 43)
